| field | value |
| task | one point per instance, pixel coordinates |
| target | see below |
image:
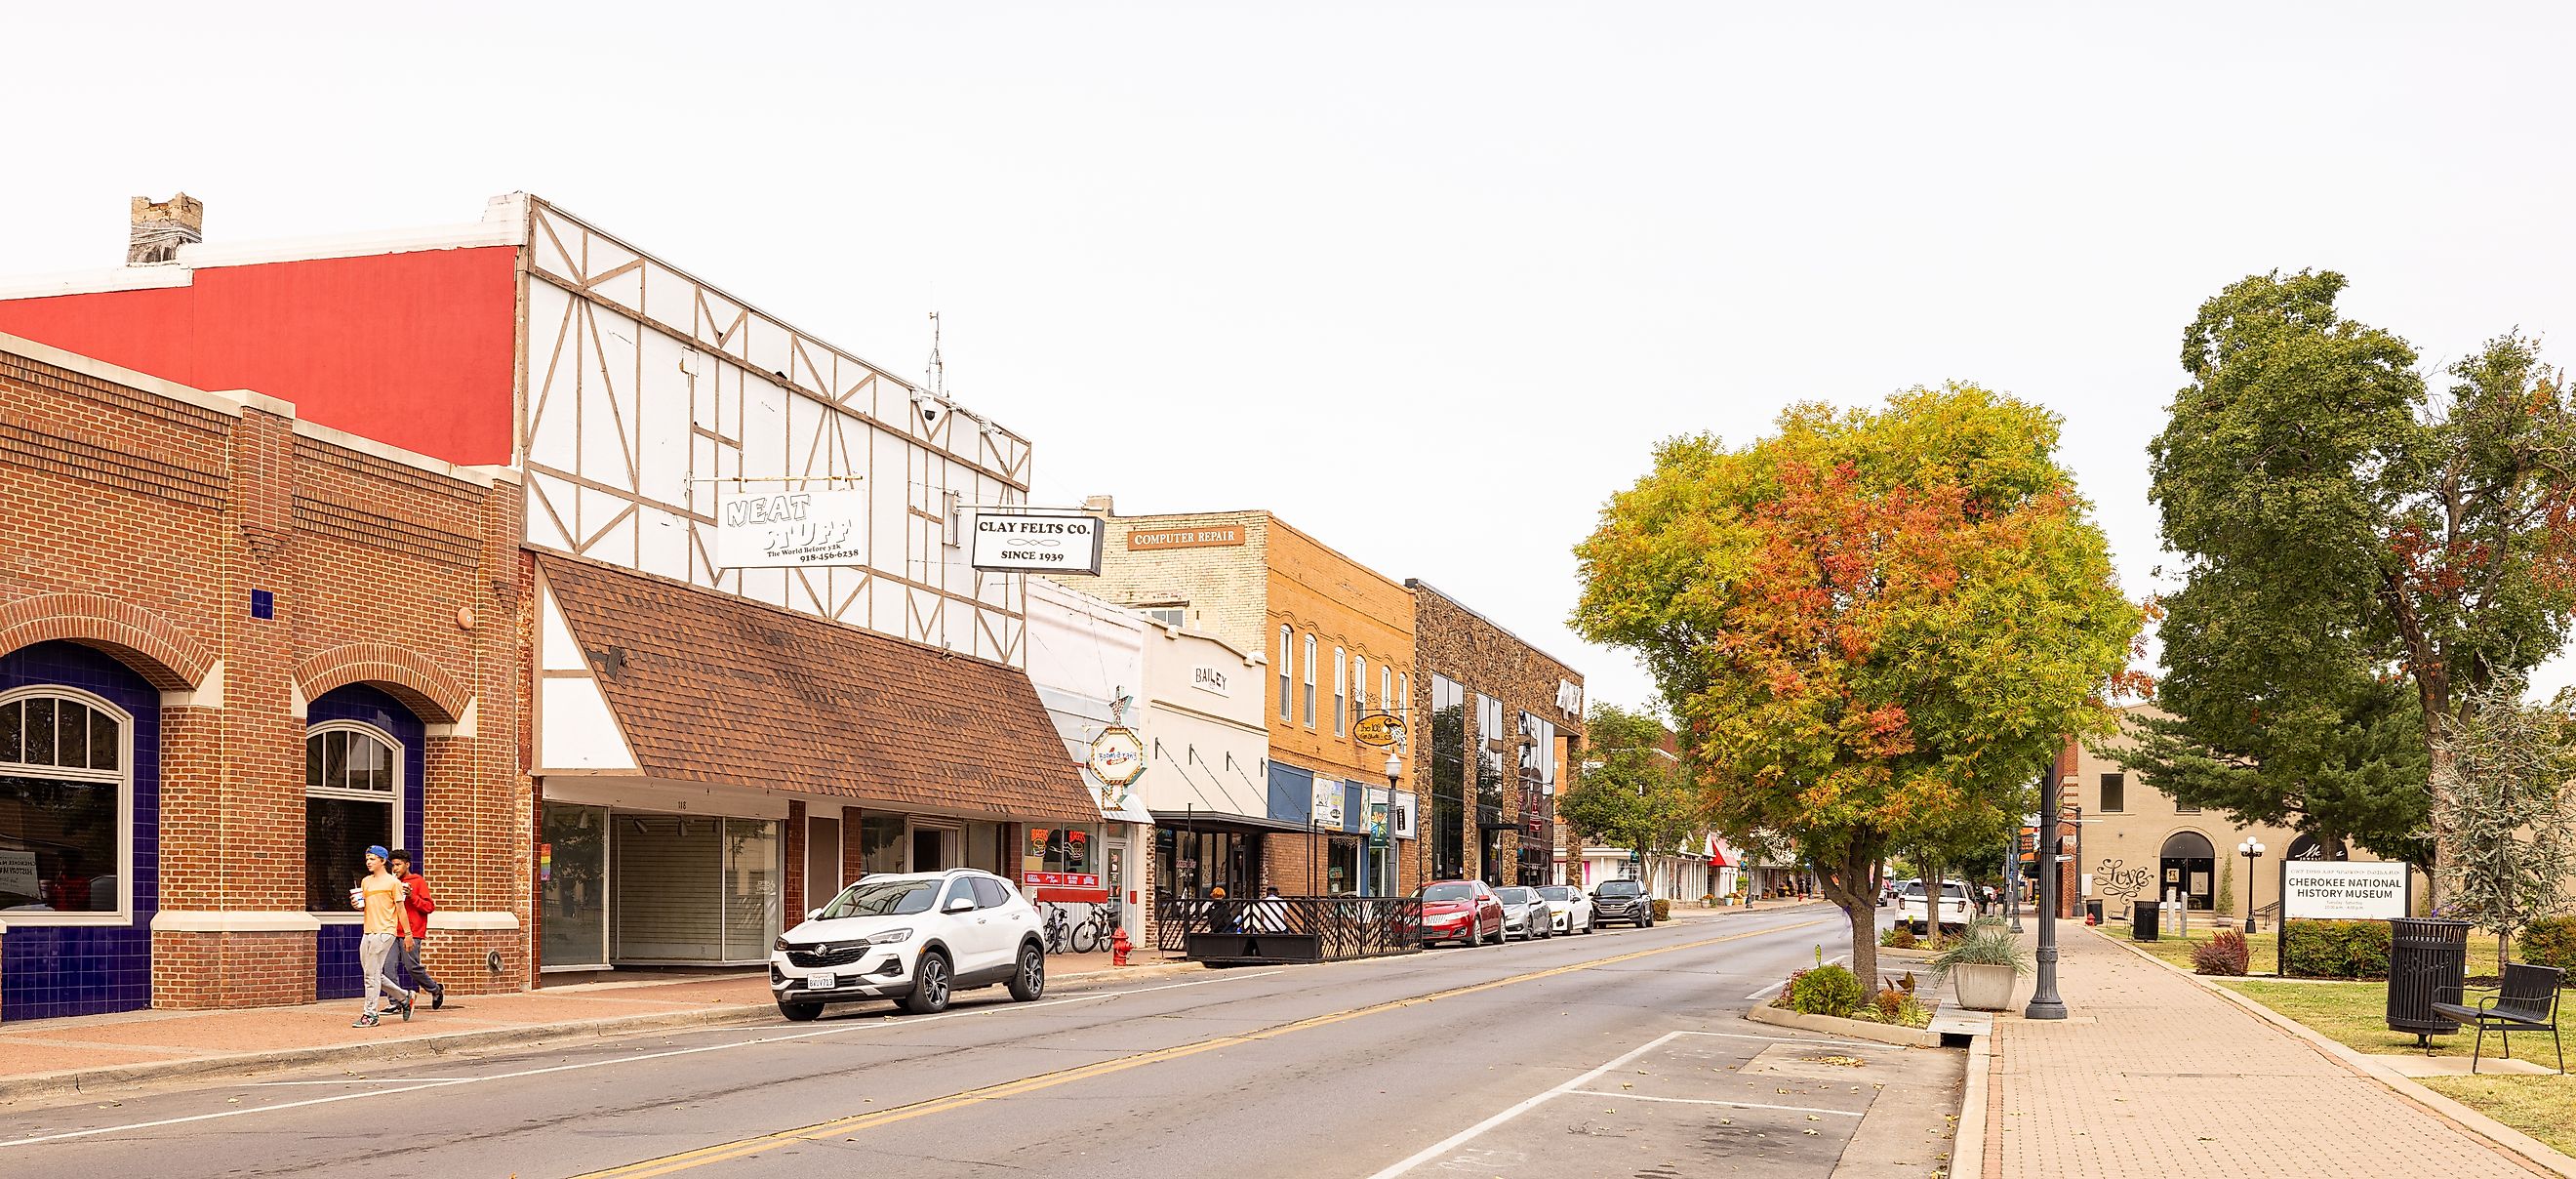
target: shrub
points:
(1891, 1003)
(1983, 945)
(1825, 990)
(2224, 954)
(1663, 909)
(1896, 937)
(2550, 941)
(2335, 949)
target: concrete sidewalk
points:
(2155, 1075)
(82, 1053)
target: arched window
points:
(66, 803)
(1286, 664)
(1341, 694)
(1359, 681)
(352, 798)
(1310, 681)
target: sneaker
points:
(438, 998)
(403, 1008)
(364, 1021)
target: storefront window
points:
(880, 843)
(572, 872)
(1058, 849)
(752, 887)
(1448, 779)
(352, 793)
(1342, 866)
(62, 784)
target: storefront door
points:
(572, 878)
(822, 861)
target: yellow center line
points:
(745, 1148)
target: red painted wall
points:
(418, 350)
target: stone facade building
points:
(1501, 722)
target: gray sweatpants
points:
(375, 952)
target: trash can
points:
(2144, 914)
(2426, 957)
(2092, 912)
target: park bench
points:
(2527, 1000)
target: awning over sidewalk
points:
(712, 688)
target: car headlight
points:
(890, 937)
(780, 945)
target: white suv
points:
(1954, 905)
(917, 938)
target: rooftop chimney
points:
(1100, 504)
(159, 228)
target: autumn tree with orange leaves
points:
(1875, 628)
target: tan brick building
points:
(1501, 721)
(236, 648)
(1338, 640)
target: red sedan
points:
(1463, 911)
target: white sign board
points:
(1208, 677)
(17, 878)
(1328, 803)
(1037, 542)
(789, 529)
(2343, 890)
(1400, 816)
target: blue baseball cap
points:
(378, 850)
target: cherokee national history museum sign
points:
(2343, 890)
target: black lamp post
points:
(2252, 850)
(2044, 1002)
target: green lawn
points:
(2534, 1105)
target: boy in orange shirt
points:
(380, 897)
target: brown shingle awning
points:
(711, 688)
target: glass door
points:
(572, 877)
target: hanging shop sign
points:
(1037, 542)
(1400, 816)
(790, 529)
(1117, 759)
(1380, 730)
(2343, 890)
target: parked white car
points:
(1569, 911)
(917, 938)
(1954, 905)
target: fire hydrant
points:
(1118, 947)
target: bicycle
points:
(1059, 932)
(1097, 931)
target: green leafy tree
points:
(2505, 790)
(1873, 624)
(2360, 555)
(1630, 791)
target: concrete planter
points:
(1982, 988)
(1849, 1029)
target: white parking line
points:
(1765, 992)
(1807, 1109)
(869, 1025)
(1452, 1142)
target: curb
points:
(1850, 1029)
(2505, 1137)
(1968, 1141)
(72, 1082)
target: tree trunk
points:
(1845, 885)
(1932, 867)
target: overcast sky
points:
(1426, 280)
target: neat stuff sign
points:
(2342, 890)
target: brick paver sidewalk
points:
(2155, 1076)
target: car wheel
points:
(1029, 981)
(799, 1012)
(929, 985)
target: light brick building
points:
(1338, 640)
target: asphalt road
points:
(1619, 1053)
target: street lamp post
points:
(2252, 850)
(2044, 1001)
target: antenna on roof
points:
(935, 377)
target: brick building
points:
(236, 647)
(1500, 722)
(692, 746)
(1338, 638)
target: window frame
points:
(122, 779)
(1359, 680)
(1310, 680)
(1341, 693)
(395, 799)
(2109, 785)
(1287, 671)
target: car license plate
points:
(822, 982)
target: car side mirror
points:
(959, 905)
(813, 914)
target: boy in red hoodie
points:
(412, 924)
